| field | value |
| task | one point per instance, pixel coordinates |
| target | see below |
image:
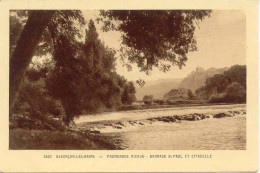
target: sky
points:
(221, 42)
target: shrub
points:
(148, 99)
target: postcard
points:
(129, 86)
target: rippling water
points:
(209, 134)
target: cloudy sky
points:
(221, 42)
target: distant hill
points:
(197, 78)
(157, 88)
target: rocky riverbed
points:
(113, 126)
(216, 127)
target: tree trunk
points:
(25, 49)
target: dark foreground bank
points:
(22, 139)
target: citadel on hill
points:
(225, 85)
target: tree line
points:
(228, 87)
(80, 76)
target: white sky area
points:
(221, 42)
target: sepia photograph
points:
(127, 80)
(129, 86)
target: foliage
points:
(190, 94)
(140, 82)
(155, 37)
(197, 78)
(81, 76)
(236, 92)
(21, 139)
(17, 22)
(148, 99)
(128, 96)
(34, 99)
(229, 86)
(65, 23)
(84, 78)
(236, 73)
(25, 48)
(178, 94)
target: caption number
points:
(47, 156)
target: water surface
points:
(209, 134)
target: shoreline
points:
(93, 135)
(141, 114)
(23, 139)
(103, 127)
(164, 107)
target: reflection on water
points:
(208, 134)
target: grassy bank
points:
(22, 139)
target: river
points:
(227, 133)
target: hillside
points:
(197, 78)
(157, 88)
(228, 87)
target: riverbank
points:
(23, 139)
(94, 132)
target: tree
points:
(155, 37)
(235, 93)
(35, 38)
(17, 22)
(25, 48)
(128, 96)
(230, 86)
(149, 39)
(148, 99)
(237, 73)
(190, 94)
(84, 77)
